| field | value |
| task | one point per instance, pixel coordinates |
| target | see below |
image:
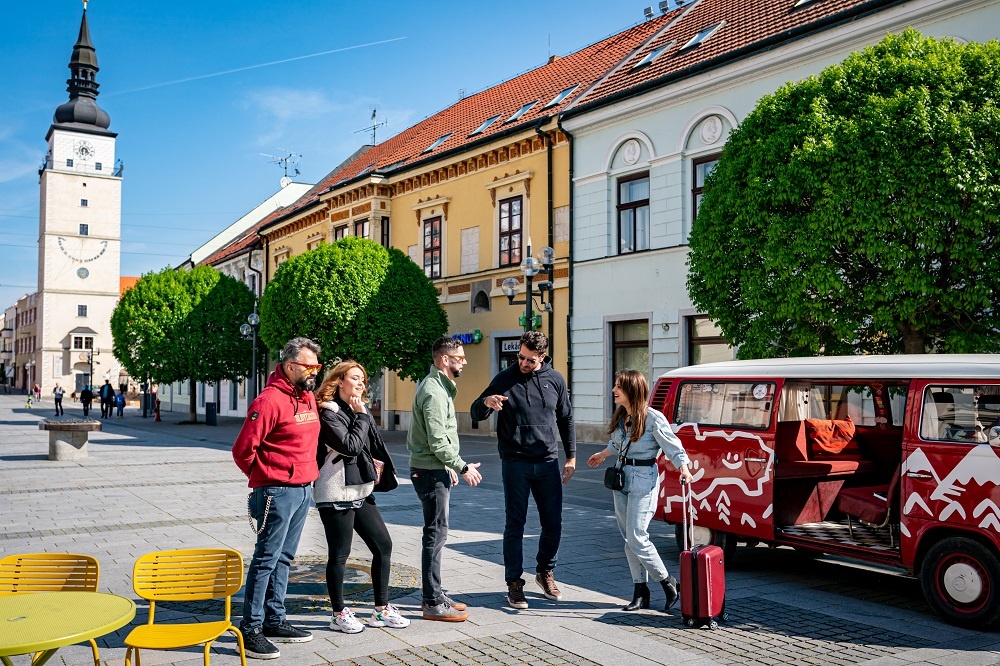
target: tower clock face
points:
(84, 150)
(82, 250)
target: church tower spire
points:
(82, 108)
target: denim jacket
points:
(658, 435)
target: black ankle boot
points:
(640, 598)
(670, 590)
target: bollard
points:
(157, 410)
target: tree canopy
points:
(357, 300)
(858, 211)
(177, 325)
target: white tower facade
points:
(79, 248)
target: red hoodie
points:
(277, 445)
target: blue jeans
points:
(634, 507)
(267, 577)
(543, 480)
(433, 487)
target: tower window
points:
(81, 311)
(83, 203)
(84, 229)
(98, 166)
(69, 162)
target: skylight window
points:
(703, 35)
(651, 56)
(800, 3)
(486, 124)
(438, 142)
(561, 96)
(520, 112)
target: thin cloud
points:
(257, 66)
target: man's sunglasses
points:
(310, 368)
(528, 359)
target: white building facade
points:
(638, 164)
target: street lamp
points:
(531, 267)
(249, 332)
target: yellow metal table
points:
(46, 621)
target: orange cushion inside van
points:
(831, 438)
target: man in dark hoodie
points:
(276, 449)
(533, 411)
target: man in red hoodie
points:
(276, 449)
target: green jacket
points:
(433, 436)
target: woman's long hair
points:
(330, 388)
(633, 384)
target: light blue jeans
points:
(634, 508)
(267, 575)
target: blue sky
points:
(192, 149)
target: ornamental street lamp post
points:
(249, 332)
(531, 267)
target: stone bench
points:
(68, 437)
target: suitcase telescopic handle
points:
(688, 520)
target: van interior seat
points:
(871, 504)
(795, 460)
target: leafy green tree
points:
(857, 211)
(357, 300)
(177, 325)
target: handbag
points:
(614, 476)
(331, 485)
(386, 471)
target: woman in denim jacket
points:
(641, 432)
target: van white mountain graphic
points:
(918, 462)
(980, 465)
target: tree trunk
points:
(913, 339)
(193, 402)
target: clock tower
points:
(79, 248)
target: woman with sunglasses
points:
(639, 432)
(343, 493)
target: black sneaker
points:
(258, 647)
(286, 633)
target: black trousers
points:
(340, 527)
(59, 409)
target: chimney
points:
(553, 58)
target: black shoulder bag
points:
(614, 476)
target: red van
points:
(887, 459)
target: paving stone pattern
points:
(760, 631)
(516, 648)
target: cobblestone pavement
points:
(149, 486)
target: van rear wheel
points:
(701, 536)
(961, 581)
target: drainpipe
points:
(569, 313)
(548, 173)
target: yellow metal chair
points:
(50, 572)
(185, 575)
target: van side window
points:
(726, 404)
(964, 414)
(897, 404)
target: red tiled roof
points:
(748, 24)
(582, 69)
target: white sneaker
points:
(346, 622)
(388, 617)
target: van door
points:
(951, 478)
(726, 429)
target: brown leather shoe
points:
(515, 594)
(547, 582)
(457, 605)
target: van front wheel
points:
(961, 581)
(701, 536)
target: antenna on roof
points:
(374, 126)
(289, 162)
(648, 13)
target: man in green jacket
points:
(435, 465)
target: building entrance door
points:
(82, 379)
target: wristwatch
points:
(464, 470)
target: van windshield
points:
(726, 403)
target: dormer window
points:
(703, 35)
(800, 3)
(486, 123)
(561, 96)
(438, 143)
(648, 59)
(520, 112)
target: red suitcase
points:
(703, 577)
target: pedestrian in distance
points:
(57, 394)
(86, 397)
(638, 433)
(353, 463)
(37, 390)
(107, 399)
(120, 403)
(276, 450)
(435, 465)
(31, 396)
(533, 410)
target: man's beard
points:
(307, 383)
(456, 373)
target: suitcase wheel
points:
(713, 625)
(689, 622)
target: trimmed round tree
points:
(359, 301)
(857, 211)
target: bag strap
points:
(623, 452)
